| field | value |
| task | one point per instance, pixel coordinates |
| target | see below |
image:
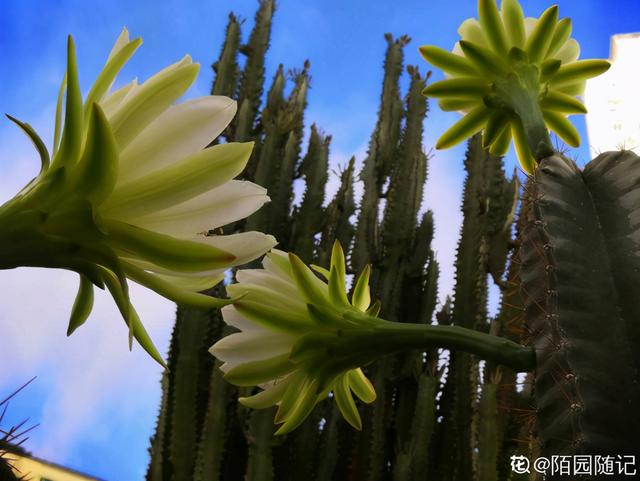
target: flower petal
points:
(232, 201)
(180, 131)
(151, 99)
(471, 31)
(250, 346)
(245, 246)
(257, 372)
(179, 182)
(560, 36)
(267, 398)
(569, 52)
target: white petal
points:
(232, 201)
(246, 246)
(248, 346)
(261, 277)
(233, 318)
(569, 52)
(152, 98)
(111, 101)
(471, 31)
(277, 262)
(156, 269)
(178, 132)
(529, 25)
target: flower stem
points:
(518, 93)
(386, 337)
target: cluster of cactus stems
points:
(568, 281)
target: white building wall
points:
(613, 99)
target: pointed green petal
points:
(374, 309)
(559, 102)
(496, 124)
(361, 294)
(454, 105)
(573, 89)
(258, 372)
(98, 168)
(37, 142)
(549, 68)
(483, 59)
(540, 38)
(501, 145)
(82, 305)
(165, 251)
(58, 125)
(71, 142)
(312, 288)
(109, 73)
(525, 157)
(345, 402)
(464, 128)
(458, 88)
(513, 20)
(296, 382)
(304, 405)
(562, 127)
(152, 98)
(577, 71)
(560, 36)
(447, 61)
(171, 291)
(361, 386)
(337, 276)
(267, 398)
(322, 271)
(180, 181)
(492, 25)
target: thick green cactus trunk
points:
(580, 273)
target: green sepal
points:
(307, 282)
(559, 102)
(563, 127)
(337, 281)
(166, 251)
(98, 168)
(305, 403)
(58, 123)
(82, 306)
(501, 145)
(452, 105)
(266, 398)
(513, 19)
(447, 61)
(271, 317)
(560, 36)
(37, 142)
(464, 128)
(72, 134)
(492, 25)
(458, 88)
(496, 124)
(361, 386)
(257, 372)
(483, 59)
(345, 402)
(549, 68)
(374, 309)
(540, 38)
(580, 70)
(109, 73)
(361, 297)
(525, 157)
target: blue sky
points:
(97, 402)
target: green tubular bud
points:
(491, 24)
(447, 61)
(540, 39)
(561, 126)
(559, 102)
(82, 306)
(514, 22)
(483, 59)
(578, 71)
(458, 88)
(464, 128)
